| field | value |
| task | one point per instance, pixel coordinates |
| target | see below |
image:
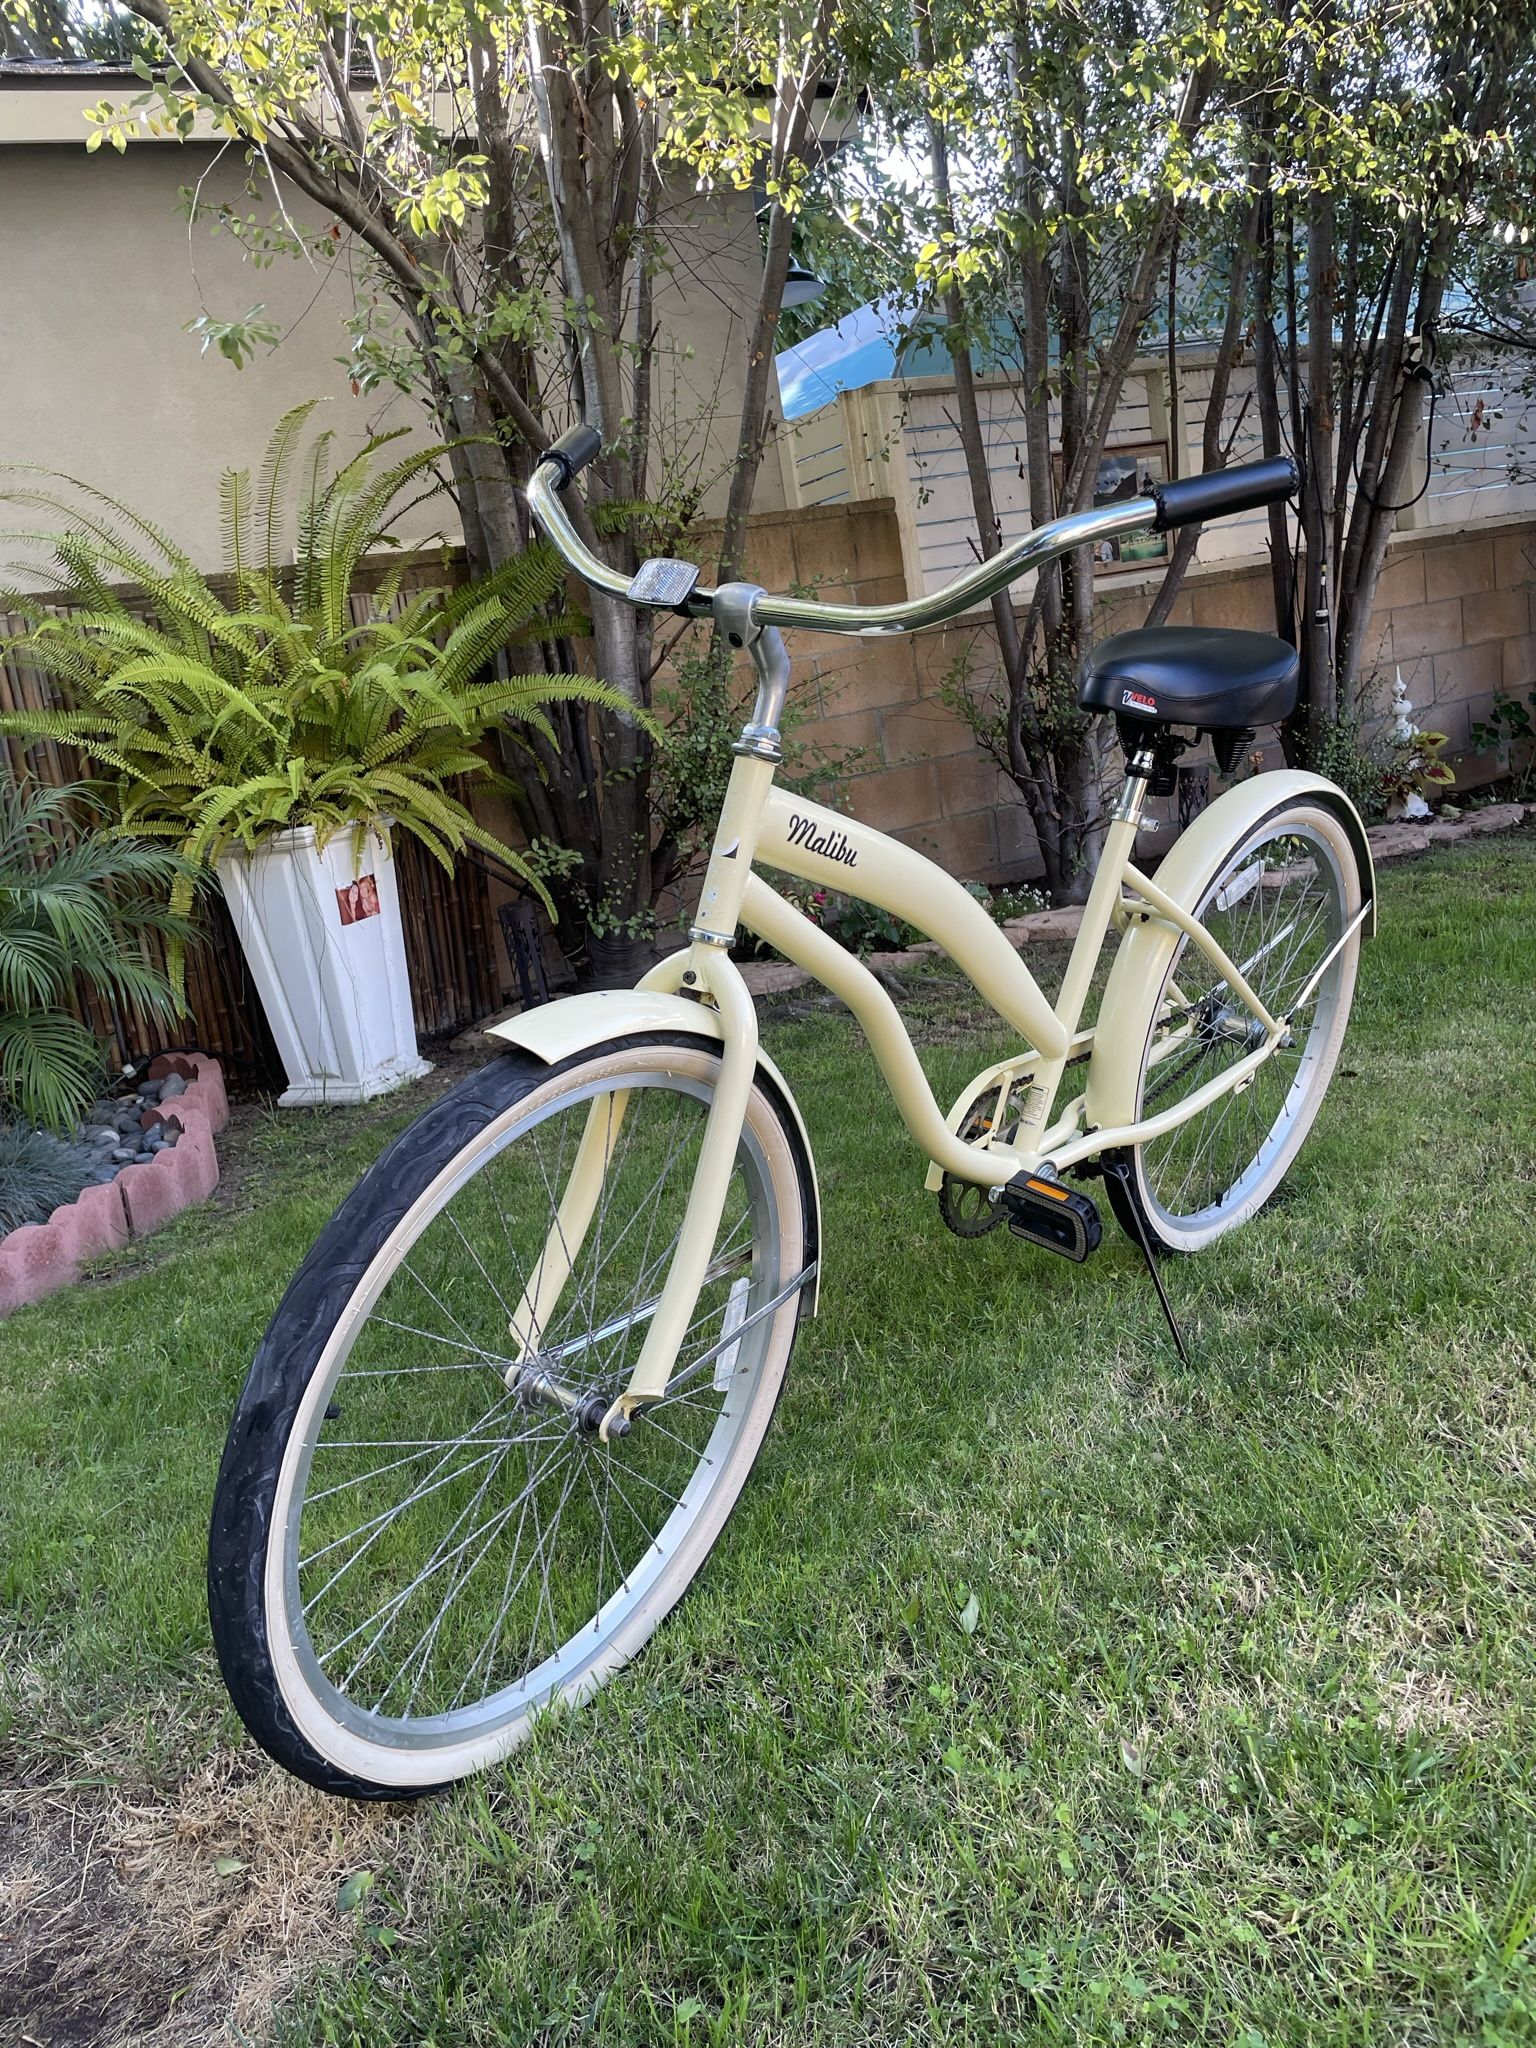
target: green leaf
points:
(970, 1616)
(355, 1889)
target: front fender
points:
(1192, 865)
(573, 1024)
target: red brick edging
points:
(40, 1258)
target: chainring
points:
(967, 1209)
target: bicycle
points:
(514, 1391)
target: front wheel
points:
(1280, 900)
(420, 1540)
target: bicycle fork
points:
(707, 969)
(680, 1291)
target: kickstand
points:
(1120, 1168)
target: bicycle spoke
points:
(459, 1551)
(1275, 929)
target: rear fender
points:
(574, 1024)
(1192, 864)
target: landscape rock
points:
(173, 1180)
(1395, 842)
(168, 1089)
(477, 1038)
(1495, 818)
(1045, 924)
(772, 977)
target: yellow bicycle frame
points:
(762, 825)
(701, 991)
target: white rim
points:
(400, 1750)
(1276, 1145)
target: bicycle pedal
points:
(1044, 1212)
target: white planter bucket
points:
(321, 933)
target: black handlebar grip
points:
(573, 451)
(1194, 499)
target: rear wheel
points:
(1279, 901)
(420, 1540)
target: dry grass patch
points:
(176, 1918)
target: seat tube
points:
(1119, 845)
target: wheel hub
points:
(537, 1387)
(1237, 1026)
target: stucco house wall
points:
(100, 273)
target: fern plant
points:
(228, 714)
(75, 900)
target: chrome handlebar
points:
(1187, 501)
(544, 488)
(975, 586)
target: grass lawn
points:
(1041, 1690)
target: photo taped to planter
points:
(358, 900)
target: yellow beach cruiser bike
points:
(516, 1388)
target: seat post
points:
(1140, 768)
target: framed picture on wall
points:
(1128, 472)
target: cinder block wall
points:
(1454, 611)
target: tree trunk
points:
(799, 74)
(1213, 449)
(1267, 382)
(1066, 817)
(1376, 508)
(1317, 504)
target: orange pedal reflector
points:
(1059, 1219)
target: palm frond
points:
(75, 900)
(49, 1066)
